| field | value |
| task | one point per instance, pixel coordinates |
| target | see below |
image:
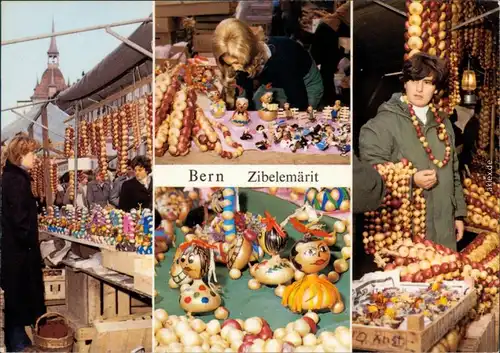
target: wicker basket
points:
(64, 344)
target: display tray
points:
(237, 297)
(417, 338)
(301, 119)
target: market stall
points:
(98, 284)
(386, 315)
(276, 132)
(234, 254)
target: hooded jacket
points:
(391, 136)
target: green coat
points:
(391, 136)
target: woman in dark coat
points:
(138, 191)
(21, 276)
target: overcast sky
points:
(23, 62)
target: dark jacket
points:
(97, 194)
(21, 276)
(391, 136)
(114, 197)
(368, 185)
(286, 69)
(134, 193)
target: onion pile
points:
(488, 100)
(134, 114)
(417, 27)
(115, 137)
(145, 121)
(469, 11)
(53, 177)
(37, 183)
(69, 140)
(455, 55)
(188, 334)
(71, 185)
(399, 217)
(102, 159)
(483, 207)
(179, 122)
(123, 138)
(451, 341)
(93, 142)
(84, 145)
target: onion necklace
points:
(441, 132)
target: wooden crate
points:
(202, 41)
(417, 338)
(123, 334)
(122, 261)
(165, 25)
(480, 336)
(192, 8)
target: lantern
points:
(469, 80)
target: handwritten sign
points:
(374, 338)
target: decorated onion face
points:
(272, 242)
(195, 261)
(241, 104)
(310, 255)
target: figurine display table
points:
(243, 302)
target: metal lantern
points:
(469, 84)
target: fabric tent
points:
(113, 73)
(55, 117)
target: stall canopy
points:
(55, 118)
(113, 73)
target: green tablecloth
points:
(242, 302)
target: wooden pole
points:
(46, 153)
(30, 131)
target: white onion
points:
(213, 327)
(302, 349)
(280, 333)
(163, 349)
(157, 324)
(161, 315)
(294, 338)
(343, 334)
(290, 327)
(235, 345)
(193, 349)
(235, 335)
(181, 328)
(175, 347)
(225, 332)
(302, 327)
(190, 338)
(166, 336)
(205, 347)
(309, 340)
(216, 349)
(198, 325)
(320, 349)
(253, 325)
(257, 346)
(313, 315)
(273, 346)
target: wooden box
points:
(123, 334)
(124, 262)
(164, 25)
(202, 41)
(192, 8)
(55, 284)
(480, 336)
(417, 338)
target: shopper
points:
(81, 192)
(407, 126)
(326, 51)
(245, 56)
(138, 192)
(98, 191)
(368, 185)
(118, 183)
(61, 190)
(21, 274)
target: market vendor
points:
(409, 126)
(98, 191)
(21, 271)
(138, 192)
(245, 57)
(118, 183)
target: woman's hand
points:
(425, 179)
(459, 229)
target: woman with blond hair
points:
(244, 55)
(21, 271)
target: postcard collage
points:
(250, 176)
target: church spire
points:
(53, 45)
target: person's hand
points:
(346, 82)
(459, 229)
(425, 179)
